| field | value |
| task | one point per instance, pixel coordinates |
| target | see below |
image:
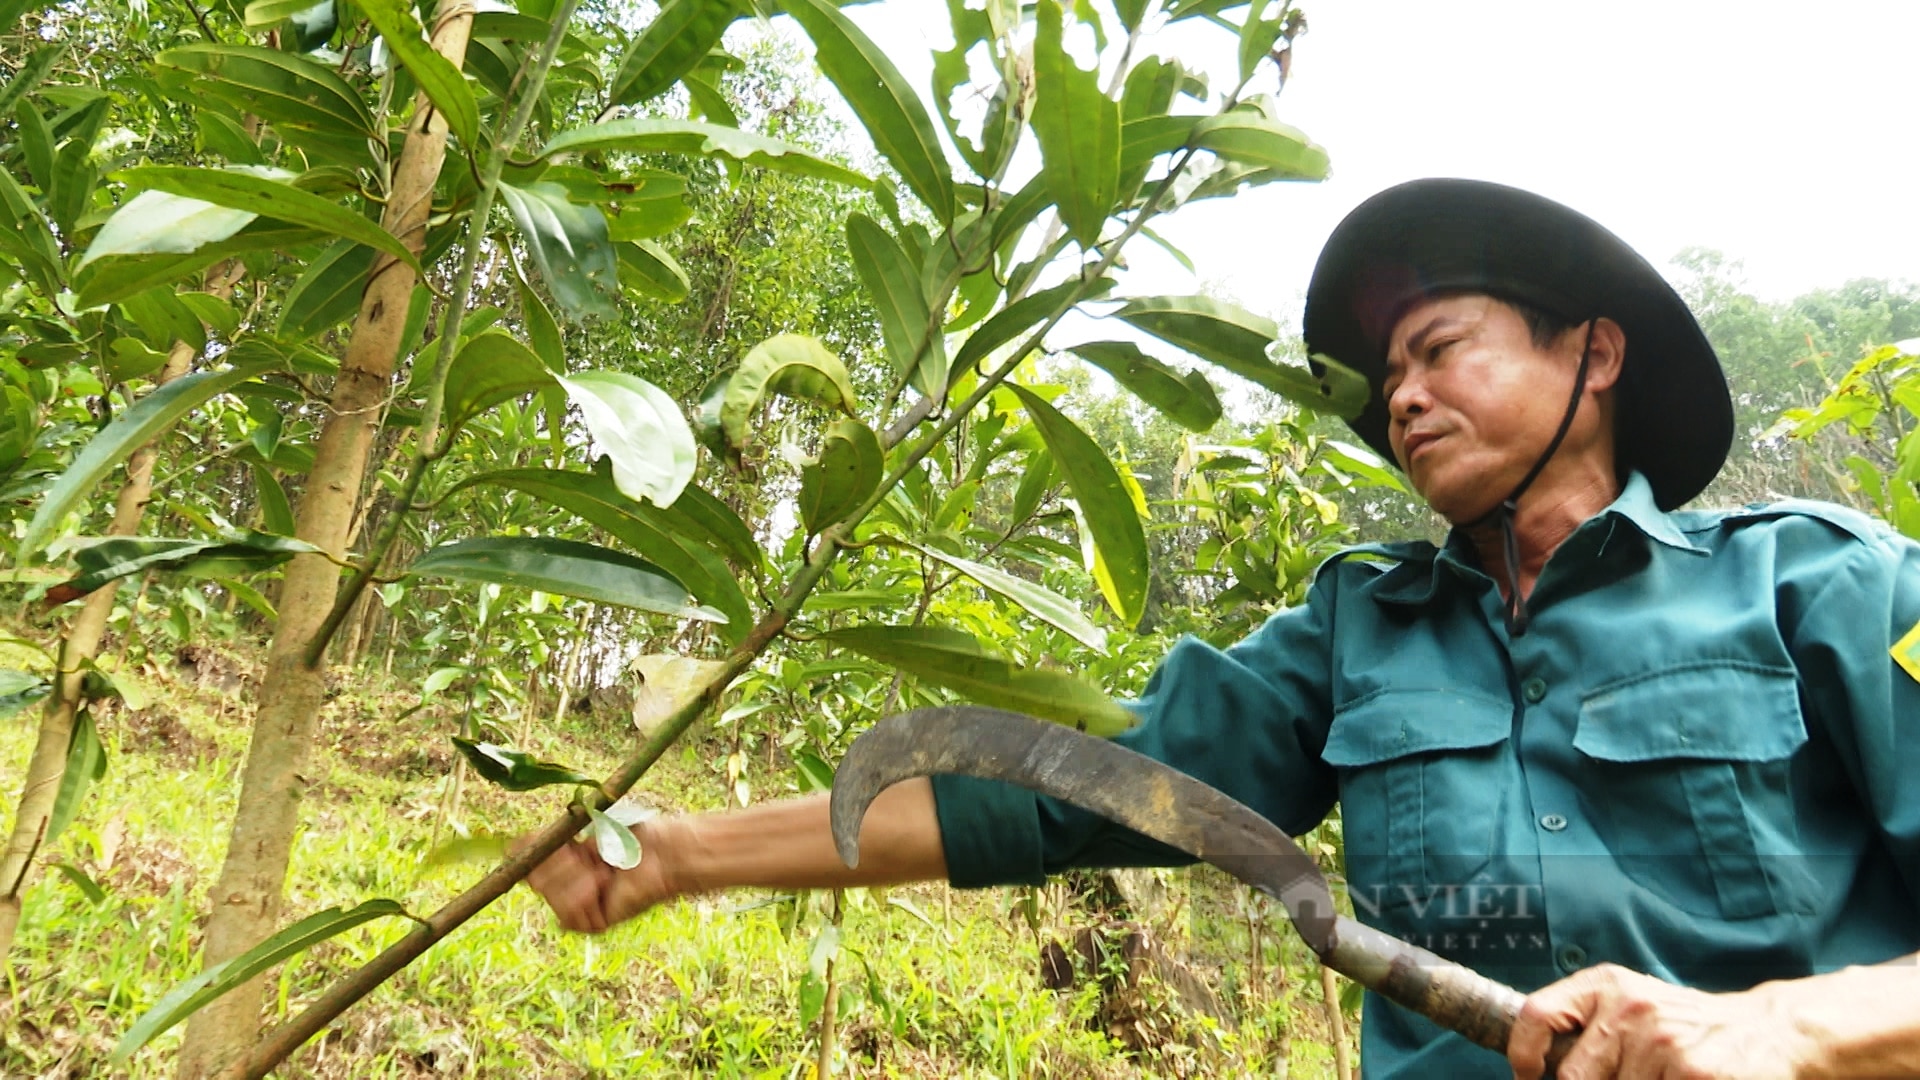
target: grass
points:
(933, 984)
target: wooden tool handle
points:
(1439, 989)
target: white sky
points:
(1786, 135)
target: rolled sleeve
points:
(1250, 720)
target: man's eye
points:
(1434, 350)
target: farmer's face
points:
(1473, 401)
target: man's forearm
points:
(1865, 1019)
(789, 845)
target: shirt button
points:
(1553, 822)
(1571, 958)
(1533, 690)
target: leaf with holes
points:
(1078, 128)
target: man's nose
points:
(1408, 399)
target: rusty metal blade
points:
(1105, 778)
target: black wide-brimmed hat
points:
(1673, 416)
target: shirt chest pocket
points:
(1425, 776)
(1690, 786)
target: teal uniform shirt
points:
(1700, 761)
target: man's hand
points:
(589, 896)
(1635, 1026)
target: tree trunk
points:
(56, 720)
(246, 901)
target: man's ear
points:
(1607, 354)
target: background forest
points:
(419, 427)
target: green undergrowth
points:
(933, 983)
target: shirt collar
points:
(1417, 577)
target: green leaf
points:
(542, 332)
(1020, 316)
(1078, 128)
(617, 845)
(671, 46)
(1034, 483)
(267, 197)
(480, 848)
(328, 292)
(814, 775)
(276, 513)
(308, 105)
(157, 222)
(489, 369)
(795, 365)
(434, 74)
(651, 136)
(88, 887)
(515, 770)
(569, 244)
(880, 96)
(112, 277)
(1250, 136)
(1105, 502)
(114, 557)
(1036, 599)
(86, 763)
(1237, 339)
(646, 268)
(664, 536)
(565, 567)
(1186, 398)
(846, 471)
(893, 281)
(190, 996)
(130, 430)
(28, 75)
(954, 660)
(19, 689)
(640, 429)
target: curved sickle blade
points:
(1105, 778)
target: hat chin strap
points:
(1503, 514)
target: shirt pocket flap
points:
(1721, 711)
(1394, 724)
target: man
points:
(1654, 762)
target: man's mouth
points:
(1416, 441)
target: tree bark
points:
(82, 644)
(246, 901)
